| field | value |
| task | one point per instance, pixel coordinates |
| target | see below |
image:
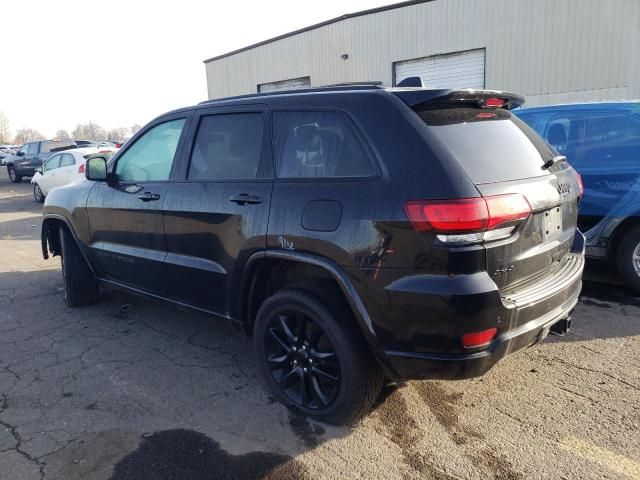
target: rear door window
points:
(52, 163)
(227, 147)
(67, 160)
(491, 145)
(315, 144)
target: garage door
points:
(453, 70)
(292, 84)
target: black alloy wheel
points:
(313, 356)
(302, 359)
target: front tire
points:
(80, 286)
(314, 359)
(37, 193)
(13, 176)
(628, 258)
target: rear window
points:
(56, 145)
(491, 145)
(318, 144)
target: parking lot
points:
(131, 388)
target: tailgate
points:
(502, 155)
(540, 244)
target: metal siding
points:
(456, 70)
(547, 50)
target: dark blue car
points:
(602, 142)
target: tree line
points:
(83, 131)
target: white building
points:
(551, 51)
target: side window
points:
(318, 145)
(32, 149)
(612, 129)
(52, 163)
(558, 133)
(67, 160)
(151, 157)
(227, 146)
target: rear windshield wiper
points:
(552, 161)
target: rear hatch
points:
(511, 166)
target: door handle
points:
(245, 199)
(148, 196)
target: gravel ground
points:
(133, 389)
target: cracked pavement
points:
(131, 388)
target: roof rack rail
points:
(328, 88)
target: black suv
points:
(355, 232)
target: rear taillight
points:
(81, 168)
(469, 220)
(580, 185)
(479, 339)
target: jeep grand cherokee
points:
(354, 232)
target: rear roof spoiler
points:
(418, 98)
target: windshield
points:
(491, 145)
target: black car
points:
(355, 232)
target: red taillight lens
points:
(81, 168)
(507, 208)
(468, 214)
(580, 185)
(478, 339)
(462, 215)
(494, 102)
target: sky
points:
(117, 63)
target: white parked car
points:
(62, 169)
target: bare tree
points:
(62, 134)
(89, 131)
(118, 134)
(134, 129)
(5, 130)
(24, 135)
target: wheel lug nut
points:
(294, 349)
(304, 370)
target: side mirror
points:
(96, 169)
(39, 170)
(20, 153)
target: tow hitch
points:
(561, 327)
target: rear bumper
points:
(423, 319)
(407, 365)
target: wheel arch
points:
(258, 268)
(619, 233)
(50, 237)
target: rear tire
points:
(334, 377)
(13, 176)
(37, 193)
(80, 286)
(628, 258)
